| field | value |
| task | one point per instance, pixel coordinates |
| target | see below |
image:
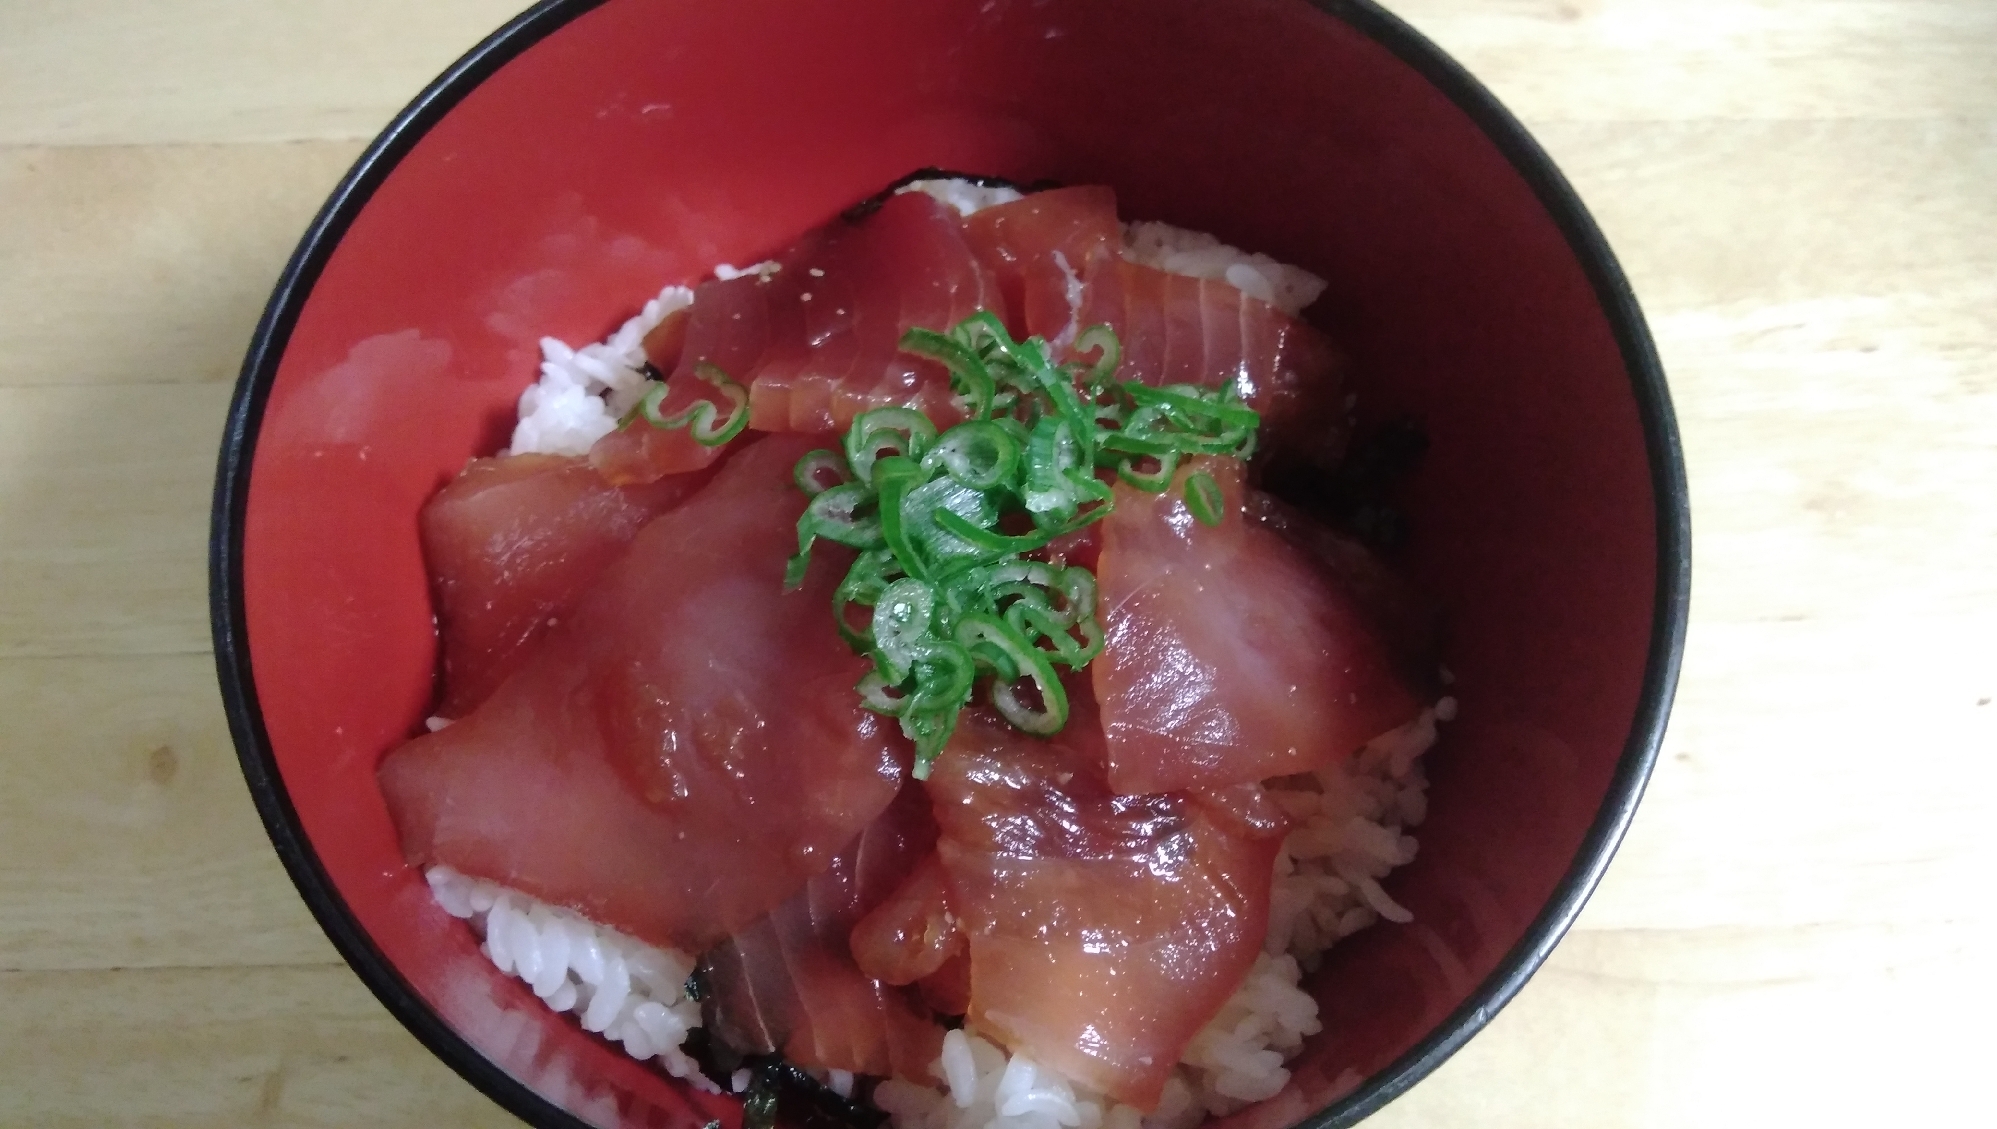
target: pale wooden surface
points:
(1799, 929)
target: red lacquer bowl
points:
(591, 152)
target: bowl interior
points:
(640, 143)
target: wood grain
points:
(113, 234)
(1804, 193)
(127, 840)
(106, 547)
(229, 1046)
(1724, 60)
(103, 72)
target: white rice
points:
(964, 195)
(763, 270)
(581, 392)
(618, 986)
(982, 1085)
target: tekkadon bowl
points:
(590, 152)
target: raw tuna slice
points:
(1229, 654)
(1175, 329)
(855, 289)
(1408, 622)
(789, 982)
(510, 544)
(1104, 930)
(728, 326)
(912, 933)
(684, 750)
(1037, 247)
(818, 342)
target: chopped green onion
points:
(1203, 497)
(1032, 663)
(838, 514)
(904, 431)
(703, 420)
(1193, 403)
(987, 539)
(862, 587)
(903, 620)
(699, 417)
(1152, 480)
(812, 466)
(893, 478)
(647, 407)
(968, 374)
(1100, 339)
(952, 603)
(880, 695)
(978, 453)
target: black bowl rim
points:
(1664, 452)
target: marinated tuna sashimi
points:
(789, 982)
(912, 933)
(1126, 685)
(1229, 655)
(646, 766)
(727, 326)
(1037, 248)
(1177, 329)
(1407, 622)
(853, 292)
(1104, 930)
(510, 544)
(817, 342)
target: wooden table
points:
(1805, 194)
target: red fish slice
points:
(1037, 249)
(1175, 329)
(1104, 930)
(510, 544)
(1229, 654)
(789, 982)
(818, 342)
(684, 750)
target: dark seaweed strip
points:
(1357, 497)
(781, 1094)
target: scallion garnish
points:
(943, 521)
(699, 417)
(1203, 499)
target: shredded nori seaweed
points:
(1357, 497)
(781, 1094)
(759, 1106)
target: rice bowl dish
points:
(1344, 820)
(1325, 886)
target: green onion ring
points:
(1032, 664)
(1154, 481)
(699, 417)
(1203, 498)
(989, 540)
(953, 606)
(1100, 339)
(813, 464)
